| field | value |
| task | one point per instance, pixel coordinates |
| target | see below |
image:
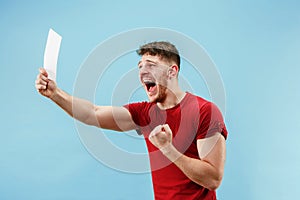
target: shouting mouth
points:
(150, 86)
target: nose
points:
(141, 75)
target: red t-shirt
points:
(194, 118)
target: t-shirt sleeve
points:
(210, 121)
(139, 114)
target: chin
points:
(152, 99)
(157, 98)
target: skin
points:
(206, 171)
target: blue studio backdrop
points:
(255, 46)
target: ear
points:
(173, 70)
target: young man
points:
(185, 134)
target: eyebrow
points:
(151, 61)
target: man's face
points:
(153, 72)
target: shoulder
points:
(138, 105)
(139, 112)
(204, 107)
(202, 103)
(139, 108)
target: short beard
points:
(161, 95)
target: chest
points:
(182, 121)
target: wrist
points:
(55, 95)
(167, 149)
(171, 152)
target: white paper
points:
(51, 53)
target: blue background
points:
(256, 48)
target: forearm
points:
(77, 108)
(199, 171)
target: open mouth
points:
(150, 85)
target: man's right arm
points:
(107, 117)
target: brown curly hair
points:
(164, 49)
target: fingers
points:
(155, 135)
(156, 130)
(40, 85)
(161, 137)
(160, 133)
(43, 71)
(167, 129)
(161, 128)
(43, 74)
(42, 80)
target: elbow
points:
(215, 182)
(211, 183)
(214, 185)
(91, 118)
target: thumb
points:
(167, 129)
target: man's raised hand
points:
(45, 86)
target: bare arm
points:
(108, 117)
(207, 171)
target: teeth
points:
(147, 80)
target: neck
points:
(172, 99)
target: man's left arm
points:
(206, 171)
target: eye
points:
(146, 66)
(140, 66)
(150, 65)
